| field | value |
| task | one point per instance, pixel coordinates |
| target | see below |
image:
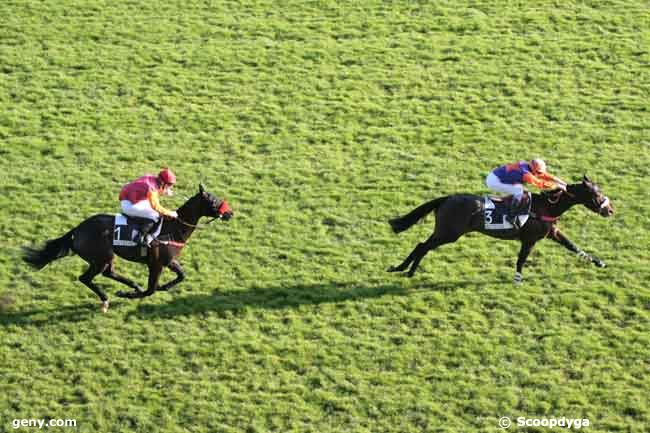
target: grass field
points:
(319, 121)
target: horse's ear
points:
(201, 188)
(586, 179)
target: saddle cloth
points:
(126, 230)
(495, 212)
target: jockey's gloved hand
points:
(173, 214)
(561, 184)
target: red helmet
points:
(167, 176)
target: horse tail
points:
(54, 249)
(400, 224)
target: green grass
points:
(318, 121)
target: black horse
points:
(463, 213)
(92, 240)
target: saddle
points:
(496, 210)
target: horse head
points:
(589, 195)
(212, 206)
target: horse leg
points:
(421, 250)
(524, 251)
(155, 269)
(431, 244)
(407, 261)
(87, 277)
(180, 275)
(109, 272)
(558, 237)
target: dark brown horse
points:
(463, 213)
(92, 240)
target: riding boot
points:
(514, 210)
(145, 238)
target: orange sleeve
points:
(539, 183)
(546, 176)
(154, 200)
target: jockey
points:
(510, 178)
(141, 198)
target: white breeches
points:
(140, 209)
(493, 182)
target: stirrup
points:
(145, 240)
(514, 220)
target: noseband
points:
(604, 204)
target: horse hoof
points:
(105, 306)
(392, 269)
(121, 294)
(518, 278)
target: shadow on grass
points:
(287, 297)
(220, 302)
(42, 316)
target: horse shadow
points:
(222, 302)
(287, 297)
(42, 317)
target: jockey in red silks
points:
(141, 198)
(509, 179)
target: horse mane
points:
(550, 192)
(188, 201)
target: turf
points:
(319, 121)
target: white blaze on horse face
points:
(605, 202)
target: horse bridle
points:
(602, 204)
(198, 226)
(556, 198)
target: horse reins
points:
(197, 226)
